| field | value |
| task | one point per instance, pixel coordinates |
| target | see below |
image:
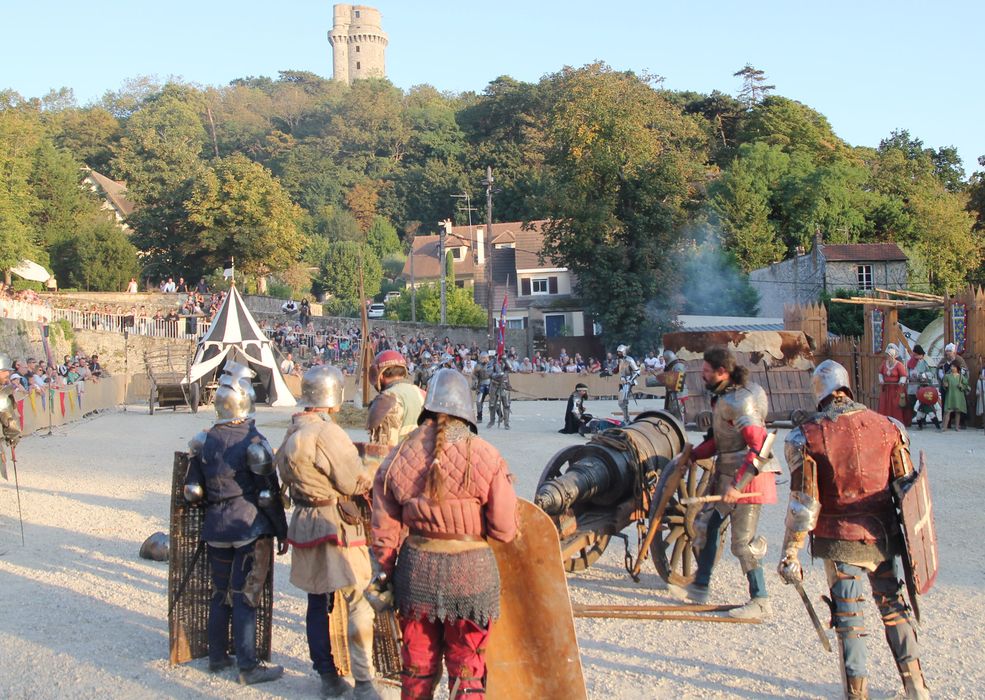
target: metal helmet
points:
(155, 547)
(621, 349)
(322, 387)
(449, 392)
(235, 398)
(669, 355)
(382, 361)
(829, 377)
(447, 359)
(6, 363)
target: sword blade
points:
(813, 615)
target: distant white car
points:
(376, 310)
(390, 296)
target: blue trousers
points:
(847, 614)
(743, 529)
(316, 626)
(230, 567)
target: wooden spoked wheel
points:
(587, 555)
(672, 549)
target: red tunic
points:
(889, 396)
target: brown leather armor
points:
(854, 457)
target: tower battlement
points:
(358, 43)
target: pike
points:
(716, 499)
(17, 488)
(818, 627)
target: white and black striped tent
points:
(234, 335)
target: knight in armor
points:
(737, 436)
(425, 370)
(322, 469)
(629, 372)
(481, 377)
(842, 465)
(8, 413)
(393, 412)
(449, 490)
(230, 470)
(674, 399)
(499, 393)
(575, 416)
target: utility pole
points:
(488, 182)
(445, 230)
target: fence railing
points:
(183, 327)
(25, 311)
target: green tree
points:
(20, 136)
(382, 238)
(96, 256)
(754, 87)
(340, 271)
(618, 181)
(460, 307)
(160, 158)
(240, 210)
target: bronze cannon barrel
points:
(608, 469)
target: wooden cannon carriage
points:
(167, 368)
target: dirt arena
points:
(81, 616)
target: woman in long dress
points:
(892, 380)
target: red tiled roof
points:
(863, 252)
(426, 263)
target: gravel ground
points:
(82, 616)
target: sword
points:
(187, 575)
(813, 615)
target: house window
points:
(357, 14)
(539, 285)
(458, 253)
(515, 323)
(864, 275)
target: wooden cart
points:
(166, 368)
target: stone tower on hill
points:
(358, 43)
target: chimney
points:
(817, 239)
(480, 247)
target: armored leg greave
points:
(745, 545)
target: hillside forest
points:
(650, 193)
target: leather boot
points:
(913, 682)
(857, 688)
(260, 673)
(332, 686)
(365, 690)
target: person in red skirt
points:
(892, 386)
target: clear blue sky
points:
(869, 66)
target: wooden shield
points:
(532, 652)
(920, 560)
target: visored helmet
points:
(322, 387)
(829, 377)
(449, 392)
(382, 361)
(670, 355)
(622, 349)
(235, 398)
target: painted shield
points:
(916, 514)
(928, 395)
(526, 660)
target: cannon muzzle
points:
(608, 469)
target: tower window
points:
(357, 14)
(357, 48)
(357, 65)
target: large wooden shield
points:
(190, 582)
(532, 652)
(916, 514)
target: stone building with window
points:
(856, 267)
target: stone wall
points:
(799, 280)
(886, 274)
(22, 339)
